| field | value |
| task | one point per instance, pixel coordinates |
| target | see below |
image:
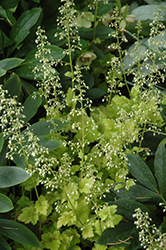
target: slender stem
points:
(94, 31)
(69, 51)
(142, 135)
(121, 61)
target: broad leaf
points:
(20, 161)
(1, 141)
(25, 71)
(160, 168)
(2, 72)
(145, 12)
(126, 207)
(22, 27)
(139, 170)
(13, 86)
(8, 4)
(10, 63)
(3, 244)
(10, 176)
(95, 93)
(18, 232)
(46, 127)
(5, 204)
(31, 106)
(115, 236)
(49, 143)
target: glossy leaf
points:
(160, 168)
(20, 161)
(18, 232)
(3, 244)
(5, 204)
(31, 106)
(10, 176)
(2, 72)
(10, 63)
(12, 85)
(104, 8)
(126, 207)
(4, 40)
(139, 170)
(49, 143)
(95, 93)
(114, 236)
(145, 12)
(1, 141)
(45, 127)
(25, 71)
(22, 27)
(7, 4)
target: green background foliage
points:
(82, 119)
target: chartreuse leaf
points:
(41, 205)
(52, 240)
(139, 170)
(115, 236)
(10, 63)
(66, 218)
(160, 168)
(31, 106)
(82, 212)
(1, 141)
(12, 85)
(10, 176)
(18, 232)
(3, 244)
(5, 204)
(29, 214)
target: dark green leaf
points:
(160, 168)
(101, 31)
(25, 71)
(114, 236)
(95, 93)
(27, 87)
(2, 72)
(13, 86)
(1, 141)
(31, 106)
(8, 4)
(10, 176)
(98, 52)
(3, 244)
(20, 160)
(5, 204)
(18, 232)
(10, 63)
(104, 8)
(3, 13)
(49, 143)
(4, 40)
(46, 127)
(139, 170)
(126, 207)
(22, 27)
